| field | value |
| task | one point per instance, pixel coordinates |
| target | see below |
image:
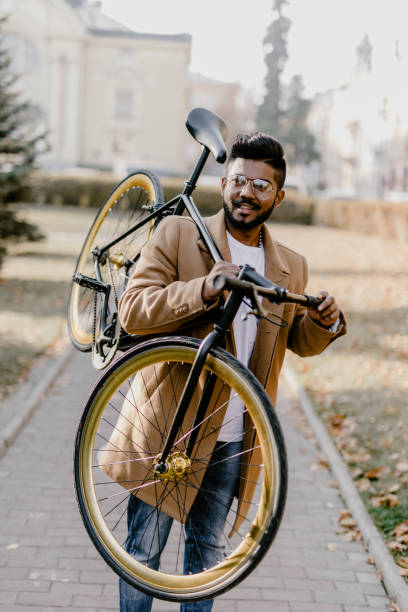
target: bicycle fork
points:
(162, 466)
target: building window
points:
(23, 55)
(124, 104)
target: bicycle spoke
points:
(206, 419)
(124, 416)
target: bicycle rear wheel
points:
(127, 205)
(120, 436)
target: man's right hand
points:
(209, 292)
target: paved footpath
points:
(47, 561)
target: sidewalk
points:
(47, 561)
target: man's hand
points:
(327, 312)
(209, 292)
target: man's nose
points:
(248, 190)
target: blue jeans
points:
(148, 529)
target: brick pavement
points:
(47, 561)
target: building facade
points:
(110, 98)
(361, 131)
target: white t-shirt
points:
(244, 335)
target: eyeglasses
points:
(261, 187)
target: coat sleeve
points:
(155, 300)
(306, 337)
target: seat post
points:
(190, 184)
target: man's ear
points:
(223, 183)
(279, 197)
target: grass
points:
(360, 383)
(34, 286)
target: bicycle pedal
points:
(89, 283)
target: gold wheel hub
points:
(178, 466)
(117, 260)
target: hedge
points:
(386, 219)
(77, 190)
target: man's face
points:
(246, 207)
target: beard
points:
(245, 225)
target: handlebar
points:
(275, 294)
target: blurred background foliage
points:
(19, 147)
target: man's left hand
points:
(327, 312)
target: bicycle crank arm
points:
(90, 283)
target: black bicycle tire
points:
(115, 193)
(268, 536)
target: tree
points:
(364, 53)
(299, 141)
(283, 112)
(276, 55)
(18, 150)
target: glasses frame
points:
(258, 194)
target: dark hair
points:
(262, 147)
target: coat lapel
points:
(216, 227)
(277, 271)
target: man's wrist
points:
(334, 326)
(207, 301)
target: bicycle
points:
(193, 381)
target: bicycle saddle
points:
(209, 130)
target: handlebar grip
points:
(313, 302)
(274, 293)
(221, 282)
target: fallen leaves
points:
(337, 420)
(349, 531)
(364, 485)
(400, 543)
(390, 500)
(401, 530)
(396, 546)
(376, 473)
(360, 456)
(402, 467)
(386, 498)
(402, 563)
(320, 462)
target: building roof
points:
(99, 24)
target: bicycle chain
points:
(113, 283)
(94, 321)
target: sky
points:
(227, 35)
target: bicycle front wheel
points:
(119, 440)
(127, 205)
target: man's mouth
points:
(246, 207)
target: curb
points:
(52, 367)
(394, 583)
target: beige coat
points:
(164, 297)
